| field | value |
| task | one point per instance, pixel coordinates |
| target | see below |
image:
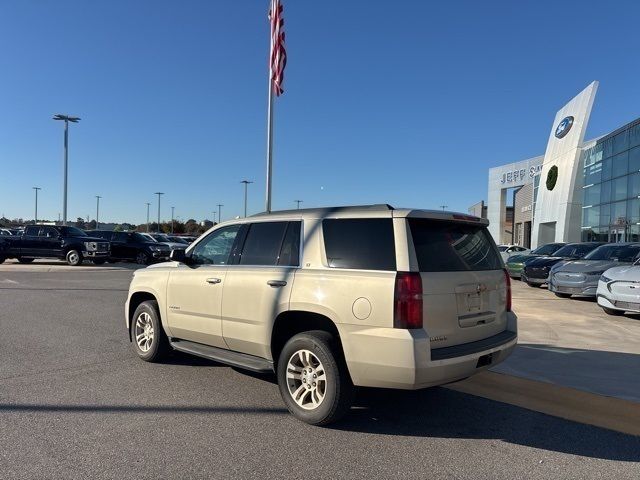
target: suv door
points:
(194, 289)
(258, 285)
(29, 241)
(119, 247)
(48, 244)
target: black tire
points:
(611, 311)
(111, 260)
(2, 259)
(99, 261)
(338, 388)
(533, 285)
(74, 258)
(26, 260)
(142, 258)
(158, 347)
(562, 295)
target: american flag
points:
(278, 57)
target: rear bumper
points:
(403, 359)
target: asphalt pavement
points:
(76, 403)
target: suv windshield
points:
(161, 238)
(135, 236)
(615, 253)
(575, 251)
(72, 232)
(453, 247)
(547, 249)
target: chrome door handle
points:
(214, 280)
(276, 283)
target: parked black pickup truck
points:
(133, 247)
(48, 241)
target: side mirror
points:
(178, 255)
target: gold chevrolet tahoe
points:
(331, 299)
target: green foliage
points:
(552, 178)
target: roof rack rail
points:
(374, 207)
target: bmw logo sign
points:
(564, 126)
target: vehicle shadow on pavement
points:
(440, 412)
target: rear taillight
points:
(407, 309)
(507, 280)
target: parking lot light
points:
(98, 197)
(159, 195)
(35, 218)
(148, 204)
(246, 184)
(220, 205)
(66, 119)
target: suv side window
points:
(31, 231)
(363, 243)
(290, 251)
(120, 237)
(48, 232)
(216, 248)
(263, 243)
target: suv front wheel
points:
(147, 335)
(313, 378)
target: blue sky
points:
(406, 102)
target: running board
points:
(234, 359)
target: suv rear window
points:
(364, 243)
(453, 247)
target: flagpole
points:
(269, 144)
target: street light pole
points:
(246, 183)
(298, 202)
(66, 119)
(220, 205)
(172, 210)
(444, 207)
(35, 220)
(159, 195)
(148, 204)
(98, 197)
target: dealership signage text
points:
(519, 175)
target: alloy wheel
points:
(143, 332)
(306, 379)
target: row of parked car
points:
(608, 271)
(99, 246)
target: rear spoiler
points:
(447, 216)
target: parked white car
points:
(619, 290)
(507, 250)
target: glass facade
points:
(611, 188)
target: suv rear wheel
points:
(313, 378)
(149, 340)
(26, 260)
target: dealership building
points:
(577, 191)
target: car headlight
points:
(604, 279)
(155, 249)
(91, 246)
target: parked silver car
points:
(581, 277)
(619, 290)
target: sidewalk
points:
(573, 343)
